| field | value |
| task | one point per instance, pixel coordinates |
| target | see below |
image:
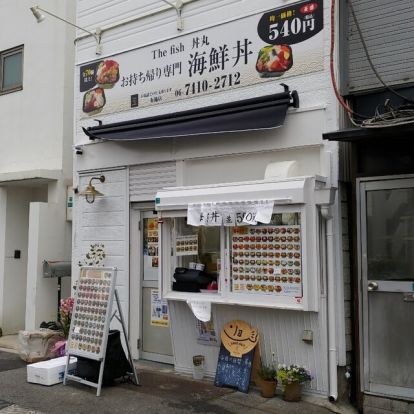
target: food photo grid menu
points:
(186, 245)
(267, 260)
(91, 313)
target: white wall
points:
(48, 236)
(3, 221)
(105, 221)
(14, 288)
(280, 333)
(35, 122)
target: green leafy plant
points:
(289, 374)
(267, 372)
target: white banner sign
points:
(230, 214)
(281, 43)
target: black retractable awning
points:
(362, 134)
(251, 114)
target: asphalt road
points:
(9, 361)
(166, 393)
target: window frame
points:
(3, 55)
(225, 295)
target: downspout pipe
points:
(326, 213)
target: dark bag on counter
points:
(190, 280)
(183, 275)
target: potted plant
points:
(65, 314)
(268, 381)
(292, 377)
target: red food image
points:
(274, 60)
(94, 100)
(107, 72)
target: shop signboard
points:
(92, 312)
(236, 357)
(91, 319)
(262, 48)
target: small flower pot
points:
(292, 392)
(267, 388)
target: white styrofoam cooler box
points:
(50, 372)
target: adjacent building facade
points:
(36, 77)
(378, 171)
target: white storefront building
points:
(155, 110)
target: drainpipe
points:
(326, 213)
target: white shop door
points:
(155, 343)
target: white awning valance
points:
(286, 191)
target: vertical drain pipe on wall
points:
(326, 213)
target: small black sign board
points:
(233, 371)
(292, 24)
(87, 76)
(134, 101)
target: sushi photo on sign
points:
(95, 78)
(94, 101)
(107, 73)
(274, 61)
(283, 27)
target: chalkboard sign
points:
(233, 371)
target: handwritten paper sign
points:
(230, 214)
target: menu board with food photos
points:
(267, 260)
(92, 312)
(186, 245)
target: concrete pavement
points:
(162, 391)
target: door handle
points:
(372, 286)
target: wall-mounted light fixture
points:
(90, 191)
(36, 10)
(178, 6)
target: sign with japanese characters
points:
(281, 43)
(230, 214)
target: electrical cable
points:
(392, 117)
(340, 99)
(364, 45)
